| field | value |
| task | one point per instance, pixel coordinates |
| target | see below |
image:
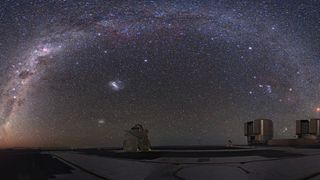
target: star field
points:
(79, 73)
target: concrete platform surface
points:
(260, 163)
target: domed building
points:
(136, 139)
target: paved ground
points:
(236, 163)
(257, 163)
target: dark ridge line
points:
(243, 169)
(176, 172)
(80, 167)
(311, 176)
(221, 163)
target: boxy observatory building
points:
(308, 128)
(259, 131)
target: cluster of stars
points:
(186, 69)
(116, 85)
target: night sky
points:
(78, 73)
